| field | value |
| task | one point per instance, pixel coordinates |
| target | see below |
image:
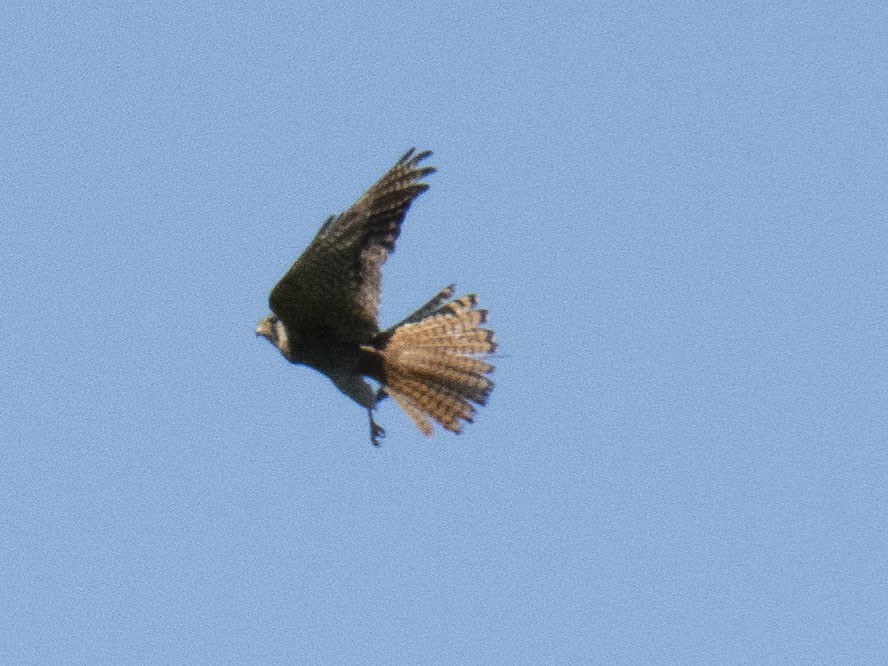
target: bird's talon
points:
(377, 432)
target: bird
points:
(324, 314)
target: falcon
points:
(324, 315)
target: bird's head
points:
(273, 329)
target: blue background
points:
(676, 214)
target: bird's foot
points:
(377, 432)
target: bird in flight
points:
(324, 315)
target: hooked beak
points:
(263, 328)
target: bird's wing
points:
(334, 285)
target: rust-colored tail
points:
(433, 362)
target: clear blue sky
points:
(676, 214)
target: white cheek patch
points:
(281, 340)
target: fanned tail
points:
(434, 367)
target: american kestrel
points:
(324, 315)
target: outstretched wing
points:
(334, 285)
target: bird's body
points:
(324, 315)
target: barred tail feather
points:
(433, 368)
